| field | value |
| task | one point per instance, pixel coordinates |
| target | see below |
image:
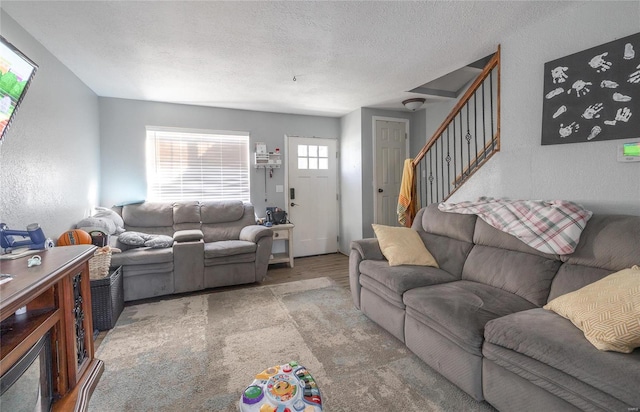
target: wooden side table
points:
(283, 232)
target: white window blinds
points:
(197, 165)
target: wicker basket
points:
(99, 263)
(107, 300)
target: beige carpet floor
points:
(200, 352)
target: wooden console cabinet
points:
(57, 296)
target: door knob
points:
(294, 204)
(380, 190)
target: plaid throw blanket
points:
(548, 226)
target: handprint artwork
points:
(580, 86)
(629, 53)
(635, 76)
(559, 74)
(608, 84)
(599, 63)
(594, 132)
(554, 93)
(619, 97)
(567, 130)
(622, 115)
(592, 111)
(591, 95)
(560, 110)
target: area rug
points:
(198, 353)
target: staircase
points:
(465, 140)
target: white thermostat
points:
(629, 152)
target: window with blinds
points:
(197, 165)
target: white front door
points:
(313, 195)
(390, 152)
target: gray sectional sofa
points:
(478, 318)
(215, 244)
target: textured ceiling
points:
(244, 55)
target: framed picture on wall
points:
(593, 95)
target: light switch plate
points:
(279, 188)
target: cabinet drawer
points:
(281, 234)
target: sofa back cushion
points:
(223, 220)
(186, 215)
(608, 243)
(448, 236)
(503, 261)
(452, 225)
(150, 218)
(528, 276)
(450, 254)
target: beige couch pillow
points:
(607, 311)
(403, 246)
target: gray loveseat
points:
(215, 244)
(478, 319)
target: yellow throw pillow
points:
(403, 246)
(607, 311)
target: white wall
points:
(350, 179)
(122, 148)
(587, 173)
(49, 160)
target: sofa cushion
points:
(487, 235)
(455, 226)
(573, 277)
(399, 279)
(449, 253)
(142, 256)
(148, 269)
(186, 212)
(545, 348)
(402, 246)
(459, 310)
(607, 311)
(528, 276)
(231, 259)
(608, 242)
(221, 211)
(147, 214)
(228, 248)
(225, 220)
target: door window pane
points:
(313, 157)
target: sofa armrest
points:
(254, 233)
(191, 235)
(364, 249)
(369, 249)
(188, 263)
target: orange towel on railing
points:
(406, 198)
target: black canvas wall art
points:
(593, 95)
